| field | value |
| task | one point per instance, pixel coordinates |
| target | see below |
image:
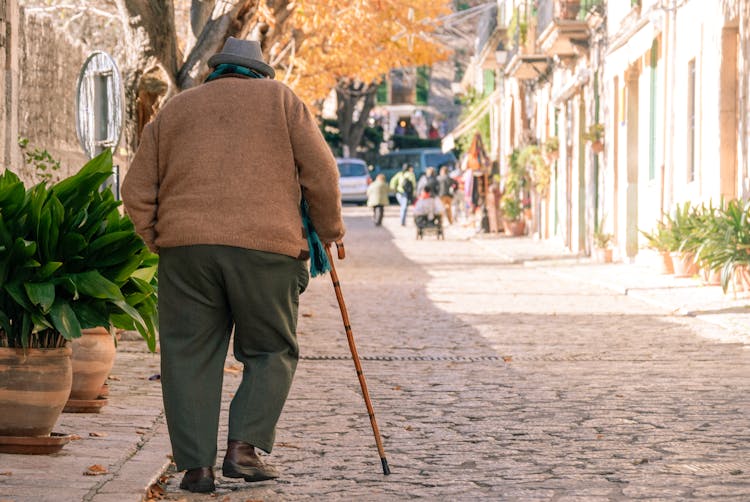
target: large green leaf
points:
(94, 284)
(46, 270)
(146, 274)
(92, 314)
(73, 191)
(72, 244)
(42, 294)
(16, 291)
(65, 319)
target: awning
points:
(627, 50)
(467, 125)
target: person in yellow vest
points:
(377, 198)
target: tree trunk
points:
(354, 98)
(152, 60)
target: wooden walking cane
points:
(353, 349)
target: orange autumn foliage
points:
(359, 40)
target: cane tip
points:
(386, 469)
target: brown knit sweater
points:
(226, 163)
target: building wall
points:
(49, 66)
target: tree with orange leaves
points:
(350, 49)
(315, 45)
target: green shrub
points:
(69, 260)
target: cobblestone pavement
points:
(490, 380)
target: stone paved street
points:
(495, 381)
(499, 369)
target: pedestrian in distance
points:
(377, 198)
(446, 187)
(403, 183)
(215, 188)
(428, 179)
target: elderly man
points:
(215, 188)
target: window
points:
(382, 93)
(691, 107)
(488, 82)
(423, 85)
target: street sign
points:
(99, 104)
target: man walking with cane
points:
(215, 188)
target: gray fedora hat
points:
(245, 53)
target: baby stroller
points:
(429, 224)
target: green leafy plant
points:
(602, 239)
(69, 260)
(532, 161)
(516, 181)
(594, 133)
(726, 245)
(44, 164)
(518, 28)
(660, 238)
(551, 145)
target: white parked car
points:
(353, 180)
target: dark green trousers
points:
(204, 292)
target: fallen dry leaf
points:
(141, 431)
(75, 437)
(408, 427)
(110, 377)
(640, 461)
(507, 359)
(155, 492)
(96, 470)
(6, 473)
(599, 436)
(306, 314)
(397, 387)
(98, 434)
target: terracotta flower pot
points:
(603, 255)
(514, 228)
(667, 266)
(93, 358)
(684, 264)
(34, 386)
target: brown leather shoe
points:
(199, 480)
(241, 461)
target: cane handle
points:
(340, 249)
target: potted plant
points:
(511, 202)
(602, 249)
(683, 225)
(595, 136)
(660, 239)
(68, 261)
(551, 148)
(727, 244)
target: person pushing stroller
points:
(428, 213)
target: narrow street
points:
(498, 381)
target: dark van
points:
(421, 158)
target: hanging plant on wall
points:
(595, 136)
